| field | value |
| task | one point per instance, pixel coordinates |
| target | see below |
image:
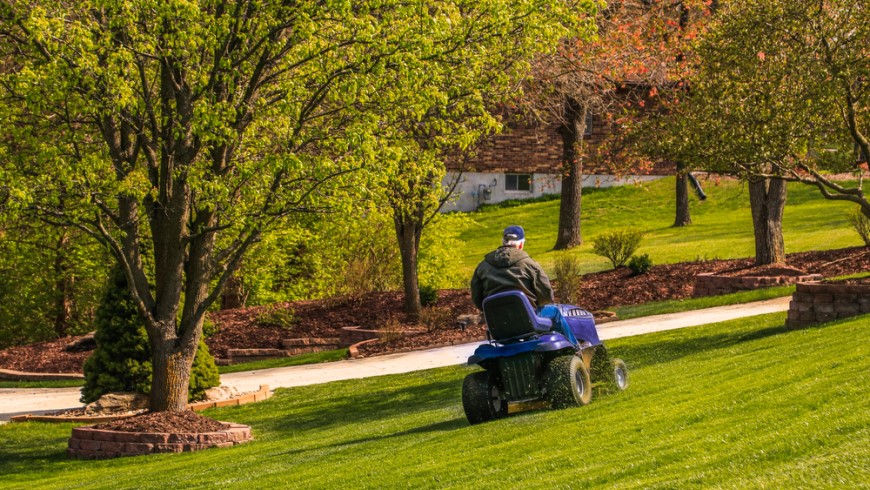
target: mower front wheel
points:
(568, 382)
(619, 374)
(481, 398)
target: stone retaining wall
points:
(291, 347)
(710, 284)
(91, 443)
(817, 303)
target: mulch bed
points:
(44, 357)
(165, 422)
(324, 318)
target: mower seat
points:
(509, 316)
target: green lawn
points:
(738, 404)
(722, 225)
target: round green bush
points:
(640, 264)
(428, 296)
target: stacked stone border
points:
(814, 303)
(291, 347)
(709, 284)
(262, 394)
(91, 443)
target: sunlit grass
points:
(739, 404)
(721, 226)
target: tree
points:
(50, 280)
(122, 359)
(178, 132)
(472, 64)
(636, 56)
(779, 95)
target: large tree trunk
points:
(408, 232)
(172, 365)
(767, 200)
(683, 216)
(571, 131)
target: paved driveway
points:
(22, 401)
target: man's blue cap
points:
(514, 233)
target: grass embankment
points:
(721, 229)
(738, 404)
(313, 358)
(70, 383)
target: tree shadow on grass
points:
(38, 454)
(442, 426)
(360, 401)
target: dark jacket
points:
(507, 269)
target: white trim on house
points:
(476, 188)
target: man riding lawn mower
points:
(546, 354)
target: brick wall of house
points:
(538, 149)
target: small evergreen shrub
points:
(617, 245)
(122, 359)
(204, 373)
(640, 264)
(428, 296)
(861, 224)
(567, 280)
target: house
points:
(525, 162)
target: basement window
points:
(518, 182)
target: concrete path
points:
(22, 401)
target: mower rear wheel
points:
(481, 398)
(568, 382)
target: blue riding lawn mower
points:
(532, 362)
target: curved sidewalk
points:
(22, 401)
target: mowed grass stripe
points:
(738, 404)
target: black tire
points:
(567, 382)
(481, 398)
(619, 374)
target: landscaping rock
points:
(219, 393)
(117, 403)
(84, 343)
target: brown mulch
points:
(324, 318)
(44, 357)
(165, 422)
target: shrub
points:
(392, 330)
(617, 246)
(567, 280)
(122, 359)
(204, 373)
(861, 224)
(435, 318)
(640, 264)
(428, 296)
(209, 327)
(277, 316)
